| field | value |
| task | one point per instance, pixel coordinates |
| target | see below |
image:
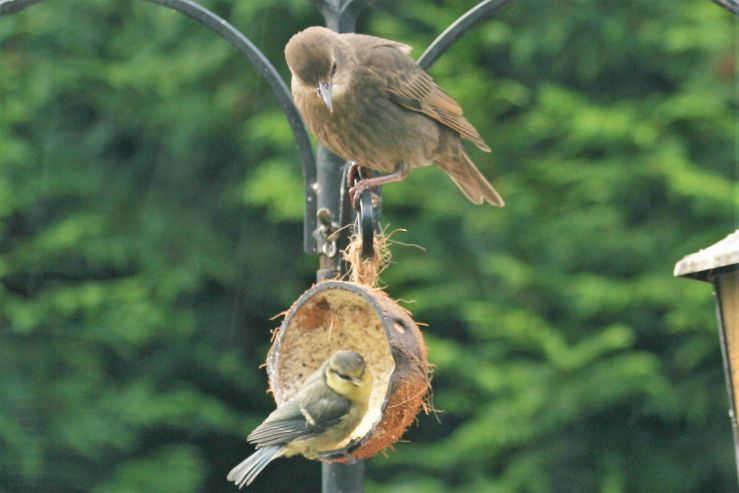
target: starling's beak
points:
(324, 89)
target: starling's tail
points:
(469, 179)
(247, 471)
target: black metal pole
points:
(341, 16)
(342, 478)
(329, 182)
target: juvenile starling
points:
(369, 102)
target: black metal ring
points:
(367, 223)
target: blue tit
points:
(327, 408)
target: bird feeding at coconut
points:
(347, 368)
(369, 102)
(329, 405)
(348, 315)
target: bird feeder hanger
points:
(327, 206)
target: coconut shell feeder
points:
(334, 315)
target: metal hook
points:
(325, 234)
(365, 220)
(367, 223)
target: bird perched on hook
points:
(369, 102)
(330, 404)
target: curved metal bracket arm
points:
(11, 6)
(268, 73)
(730, 5)
(479, 12)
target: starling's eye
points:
(333, 69)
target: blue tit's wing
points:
(285, 424)
(326, 409)
(315, 408)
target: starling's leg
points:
(400, 173)
(355, 172)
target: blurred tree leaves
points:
(150, 227)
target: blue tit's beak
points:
(356, 381)
(324, 89)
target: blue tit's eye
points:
(341, 375)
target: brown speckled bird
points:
(369, 102)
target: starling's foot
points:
(351, 173)
(355, 192)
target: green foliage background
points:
(150, 226)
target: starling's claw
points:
(398, 175)
(351, 174)
(355, 192)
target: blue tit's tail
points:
(247, 471)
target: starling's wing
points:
(410, 86)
